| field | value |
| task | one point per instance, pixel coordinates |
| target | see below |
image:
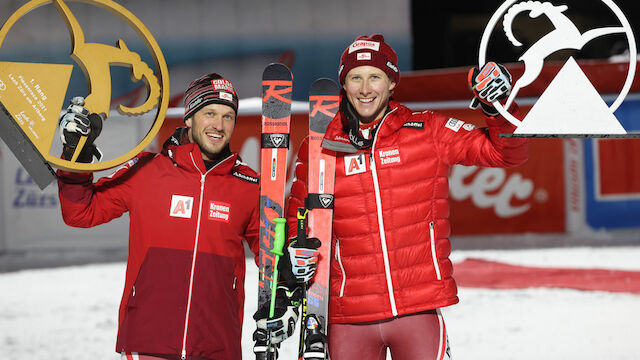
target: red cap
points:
(369, 50)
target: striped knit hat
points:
(209, 89)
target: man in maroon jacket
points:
(190, 209)
(390, 269)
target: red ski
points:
(277, 86)
(323, 105)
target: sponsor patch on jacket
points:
(219, 211)
(414, 125)
(454, 124)
(469, 127)
(355, 164)
(389, 156)
(251, 179)
(181, 206)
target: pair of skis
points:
(276, 109)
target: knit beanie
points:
(209, 89)
(369, 50)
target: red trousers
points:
(419, 336)
(136, 356)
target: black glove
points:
(490, 83)
(285, 315)
(78, 122)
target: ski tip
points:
(324, 86)
(277, 71)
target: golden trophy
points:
(32, 95)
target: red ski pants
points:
(419, 336)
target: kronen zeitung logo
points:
(570, 106)
(33, 94)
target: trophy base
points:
(24, 150)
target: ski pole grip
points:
(278, 244)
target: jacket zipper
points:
(434, 256)
(383, 238)
(183, 354)
(344, 275)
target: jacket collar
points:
(189, 157)
(337, 139)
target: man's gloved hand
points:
(490, 83)
(78, 122)
(304, 259)
(283, 323)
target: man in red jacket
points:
(390, 269)
(190, 209)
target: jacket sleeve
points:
(299, 188)
(467, 145)
(85, 204)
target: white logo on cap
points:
(362, 44)
(364, 56)
(391, 66)
(226, 96)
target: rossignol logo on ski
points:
(181, 206)
(273, 92)
(275, 141)
(326, 200)
(219, 211)
(323, 104)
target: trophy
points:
(570, 106)
(32, 95)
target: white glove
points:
(283, 322)
(78, 121)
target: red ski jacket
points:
(184, 287)
(390, 246)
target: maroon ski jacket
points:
(184, 288)
(390, 246)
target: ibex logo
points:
(35, 93)
(570, 106)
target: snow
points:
(71, 312)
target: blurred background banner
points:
(570, 192)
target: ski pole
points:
(278, 244)
(301, 239)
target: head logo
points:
(570, 106)
(35, 92)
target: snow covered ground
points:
(71, 312)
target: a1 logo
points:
(354, 164)
(181, 206)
